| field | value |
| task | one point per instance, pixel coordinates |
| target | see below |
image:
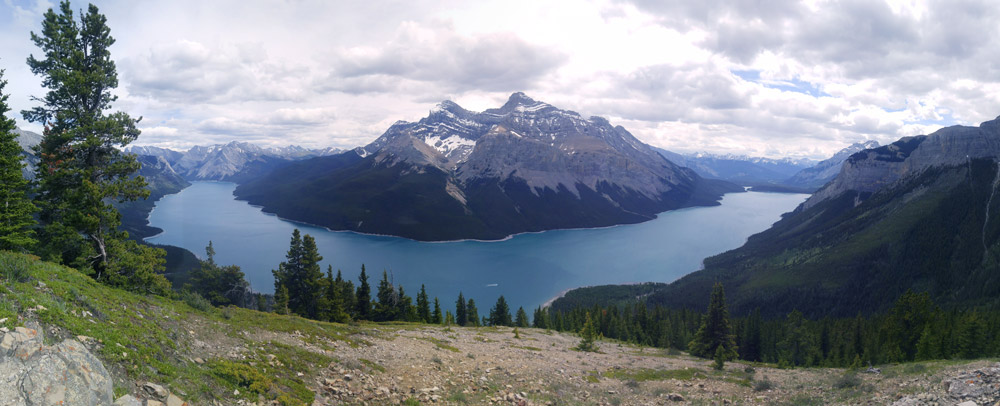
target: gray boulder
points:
(34, 374)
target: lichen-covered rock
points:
(128, 400)
(63, 374)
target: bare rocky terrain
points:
(456, 366)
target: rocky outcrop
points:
(968, 388)
(32, 373)
(826, 170)
(870, 170)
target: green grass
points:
(145, 338)
(372, 365)
(440, 344)
(640, 375)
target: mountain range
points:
(457, 174)
(235, 161)
(766, 174)
(919, 214)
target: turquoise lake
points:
(528, 269)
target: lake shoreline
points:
(529, 269)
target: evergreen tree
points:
(799, 347)
(210, 253)
(309, 283)
(281, 300)
(16, 209)
(302, 276)
(225, 285)
(82, 168)
(714, 330)
(541, 318)
(346, 295)
(449, 319)
(287, 270)
(423, 306)
(385, 309)
(334, 299)
(500, 314)
(437, 318)
(404, 309)
(521, 320)
(473, 313)
(461, 315)
(363, 299)
(588, 334)
(750, 344)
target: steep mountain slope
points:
(916, 214)
(27, 140)
(526, 166)
(162, 180)
(823, 172)
(235, 161)
(739, 169)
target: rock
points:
(151, 402)
(198, 360)
(968, 403)
(675, 397)
(155, 390)
(34, 374)
(128, 400)
(173, 400)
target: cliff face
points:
(824, 171)
(870, 170)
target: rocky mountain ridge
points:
(227, 161)
(870, 170)
(824, 171)
(525, 166)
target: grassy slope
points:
(149, 338)
(143, 338)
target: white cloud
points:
(786, 77)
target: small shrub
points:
(763, 385)
(242, 376)
(195, 300)
(14, 268)
(848, 380)
(470, 356)
(749, 369)
(632, 383)
(437, 360)
(720, 359)
(411, 402)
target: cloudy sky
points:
(758, 77)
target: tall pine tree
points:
(472, 313)
(363, 299)
(82, 168)
(715, 331)
(15, 208)
(423, 306)
(385, 308)
(500, 314)
(461, 314)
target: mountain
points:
(921, 214)
(823, 172)
(235, 161)
(739, 169)
(162, 180)
(457, 174)
(27, 140)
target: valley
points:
(662, 249)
